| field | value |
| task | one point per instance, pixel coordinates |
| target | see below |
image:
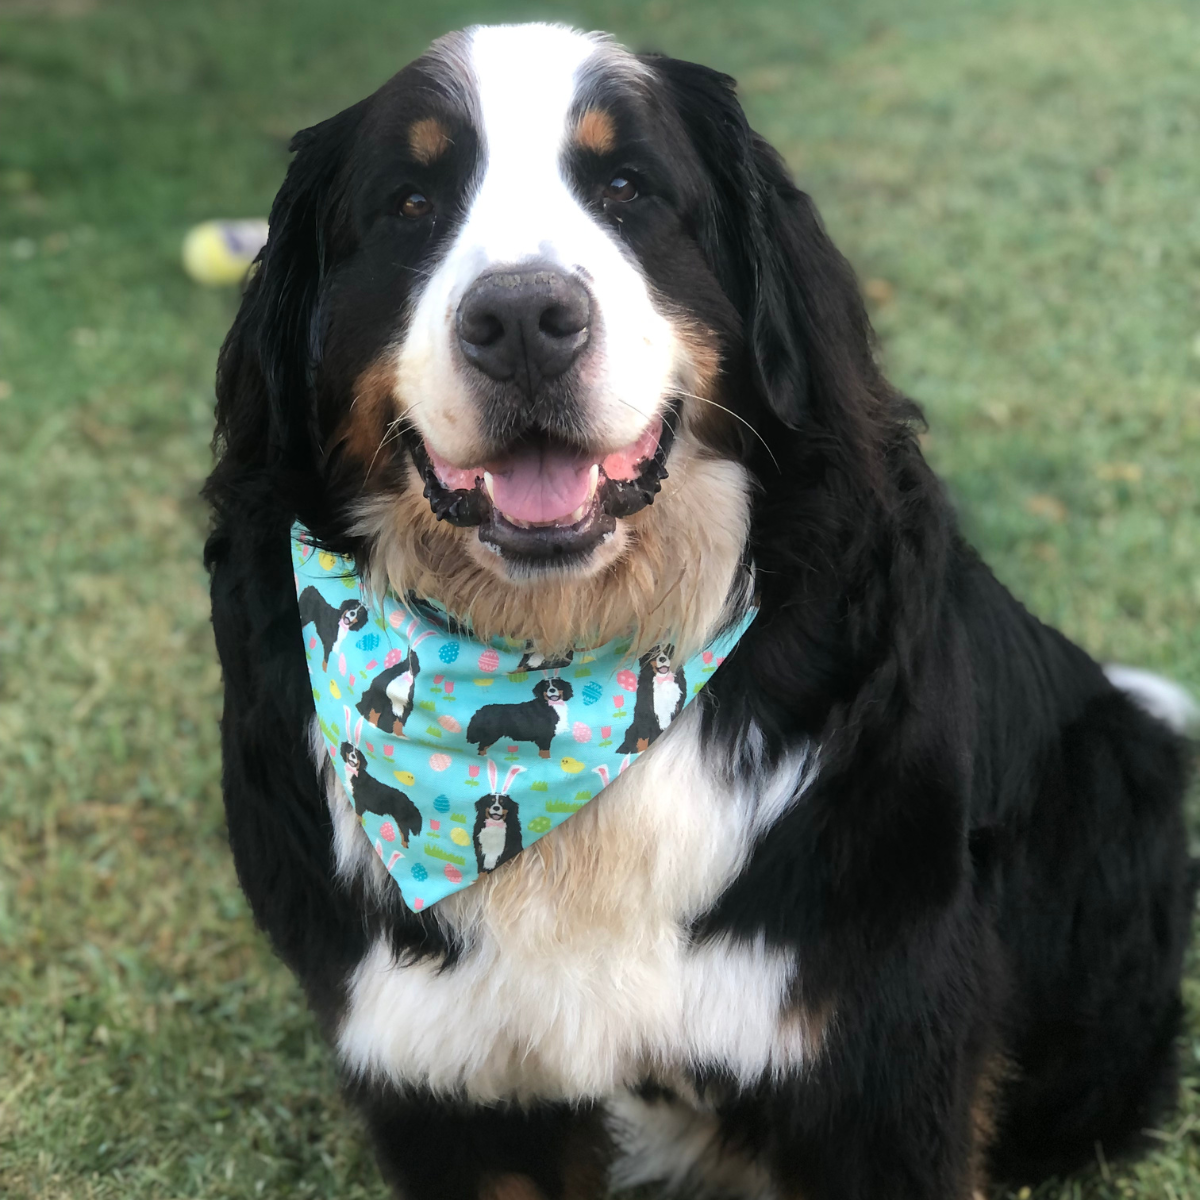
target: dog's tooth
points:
(593, 480)
(487, 485)
(577, 515)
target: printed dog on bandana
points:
(661, 693)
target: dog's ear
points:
(565, 688)
(802, 315)
(539, 688)
(266, 419)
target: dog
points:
(533, 660)
(497, 833)
(661, 693)
(538, 720)
(369, 795)
(332, 624)
(388, 702)
(545, 332)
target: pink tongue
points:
(540, 485)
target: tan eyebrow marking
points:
(595, 131)
(428, 140)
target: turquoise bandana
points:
(458, 754)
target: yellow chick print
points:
(572, 766)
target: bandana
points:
(457, 754)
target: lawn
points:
(1017, 184)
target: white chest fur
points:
(666, 697)
(579, 976)
(491, 843)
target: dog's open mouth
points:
(542, 500)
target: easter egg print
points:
(419, 873)
(387, 831)
(449, 724)
(395, 620)
(442, 804)
(627, 679)
(581, 732)
(326, 560)
(448, 652)
(452, 873)
(592, 692)
(368, 641)
(439, 762)
(572, 766)
(489, 660)
(406, 777)
(392, 657)
(538, 825)
(460, 837)
(334, 690)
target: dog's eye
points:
(415, 205)
(621, 189)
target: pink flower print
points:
(473, 770)
(513, 749)
(448, 686)
(370, 748)
(351, 680)
(371, 665)
(720, 660)
(438, 678)
(434, 825)
(418, 904)
(387, 751)
(606, 732)
(708, 657)
(618, 702)
(312, 643)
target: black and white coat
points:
(950, 884)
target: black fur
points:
(533, 721)
(497, 808)
(645, 727)
(376, 705)
(987, 885)
(329, 620)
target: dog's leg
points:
(398, 728)
(429, 1149)
(483, 749)
(544, 753)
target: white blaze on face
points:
(526, 80)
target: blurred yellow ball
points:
(218, 253)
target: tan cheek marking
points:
(510, 1187)
(366, 424)
(596, 132)
(428, 140)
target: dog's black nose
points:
(525, 324)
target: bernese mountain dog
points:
(660, 697)
(897, 905)
(537, 720)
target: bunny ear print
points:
(493, 775)
(349, 736)
(513, 772)
(424, 637)
(602, 771)
(624, 764)
(358, 730)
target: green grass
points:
(1017, 184)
